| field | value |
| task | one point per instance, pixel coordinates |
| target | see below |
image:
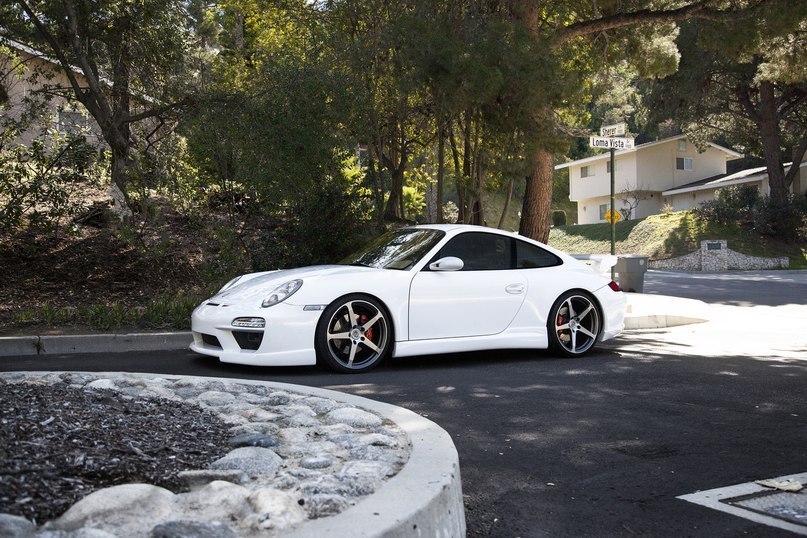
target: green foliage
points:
(323, 225)
(731, 204)
(38, 180)
(744, 205)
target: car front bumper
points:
(287, 339)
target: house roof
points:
(730, 153)
(749, 175)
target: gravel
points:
(60, 443)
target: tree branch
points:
(697, 10)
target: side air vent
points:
(250, 340)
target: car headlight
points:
(281, 293)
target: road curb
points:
(660, 311)
(93, 343)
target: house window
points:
(603, 211)
(683, 163)
(618, 166)
(586, 171)
(682, 145)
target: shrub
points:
(558, 217)
(731, 204)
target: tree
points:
(752, 92)
(125, 63)
(588, 35)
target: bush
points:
(731, 204)
(745, 206)
(324, 224)
(786, 221)
(559, 218)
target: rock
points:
(80, 533)
(370, 469)
(377, 439)
(274, 509)
(213, 398)
(193, 529)
(278, 398)
(353, 417)
(302, 420)
(259, 415)
(101, 384)
(253, 439)
(200, 478)
(316, 462)
(324, 505)
(254, 461)
(217, 501)
(119, 509)
(15, 526)
(320, 405)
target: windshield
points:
(398, 249)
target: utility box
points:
(630, 269)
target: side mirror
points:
(449, 263)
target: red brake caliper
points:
(369, 332)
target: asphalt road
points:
(600, 446)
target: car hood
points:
(259, 285)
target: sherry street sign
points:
(603, 142)
(619, 129)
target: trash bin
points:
(630, 269)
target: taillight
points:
(614, 286)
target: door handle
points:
(515, 289)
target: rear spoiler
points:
(600, 263)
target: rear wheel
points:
(574, 324)
(354, 334)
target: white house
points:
(61, 112)
(648, 177)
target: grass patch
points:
(670, 235)
(163, 313)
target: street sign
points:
(613, 216)
(618, 129)
(603, 142)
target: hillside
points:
(670, 235)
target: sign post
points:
(612, 138)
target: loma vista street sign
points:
(604, 142)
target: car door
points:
(480, 299)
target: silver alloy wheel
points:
(576, 324)
(356, 335)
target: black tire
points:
(356, 345)
(574, 325)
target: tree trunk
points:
(507, 200)
(771, 144)
(441, 165)
(458, 178)
(538, 194)
(538, 197)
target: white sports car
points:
(414, 291)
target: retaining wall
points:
(716, 256)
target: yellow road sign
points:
(613, 215)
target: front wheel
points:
(354, 334)
(574, 324)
